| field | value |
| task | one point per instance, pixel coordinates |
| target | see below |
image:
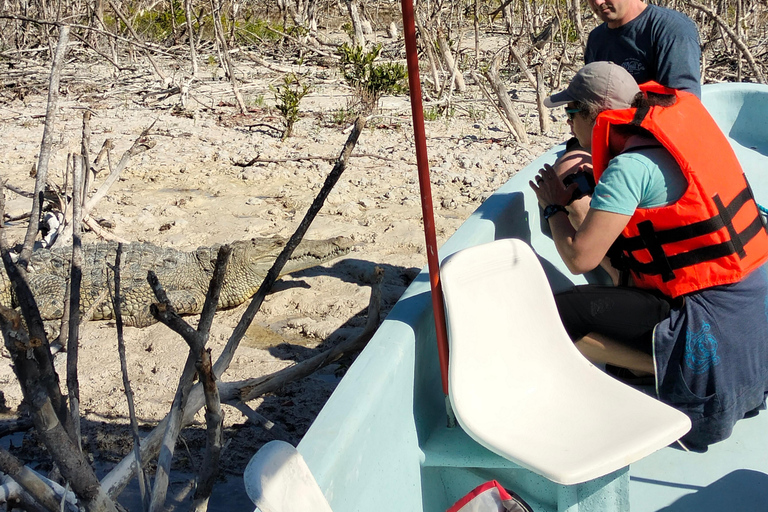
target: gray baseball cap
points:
(605, 85)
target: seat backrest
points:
(501, 314)
(519, 386)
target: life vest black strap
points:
(652, 243)
(728, 221)
(662, 265)
(704, 227)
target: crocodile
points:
(185, 276)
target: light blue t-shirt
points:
(645, 178)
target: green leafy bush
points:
(158, 25)
(287, 98)
(369, 79)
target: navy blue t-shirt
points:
(660, 44)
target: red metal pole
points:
(417, 113)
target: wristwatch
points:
(552, 209)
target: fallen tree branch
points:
(257, 159)
(18, 191)
(28, 480)
(257, 419)
(103, 233)
(250, 389)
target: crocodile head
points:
(251, 260)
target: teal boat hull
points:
(381, 441)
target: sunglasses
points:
(571, 112)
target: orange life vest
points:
(713, 234)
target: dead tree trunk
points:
(450, 62)
(228, 64)
(492, 74)
(191, 31)
(70, 461)
(357, 25)
(540, 95)
(574, 12)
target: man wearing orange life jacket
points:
(672, 201)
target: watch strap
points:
(552, 209)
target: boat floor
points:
(731, 475)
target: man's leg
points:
(603, 350)
(613, 324)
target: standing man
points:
(651, 42)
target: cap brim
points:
(558, 99)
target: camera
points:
(585, 181)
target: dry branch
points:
(128, 24)
(144, 491)
(46, 145)
(141, 144)
(250, 389)
(28, 480)
(734, 37)
(68, 458)
(213, 419)
(116, 480)
(505, 102)
(257, 419)
(450, 62)
(73, 318)
(229, 65)
(196, 340)
(191, 31)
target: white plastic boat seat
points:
(278, 480)
(518, 385)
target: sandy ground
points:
(187, 192)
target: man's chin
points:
(607, 16)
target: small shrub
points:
(257, 32)
(287, 98)
(432, 114)
(342, 116)
(370, 80)
(158, 25)
(438, 111)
